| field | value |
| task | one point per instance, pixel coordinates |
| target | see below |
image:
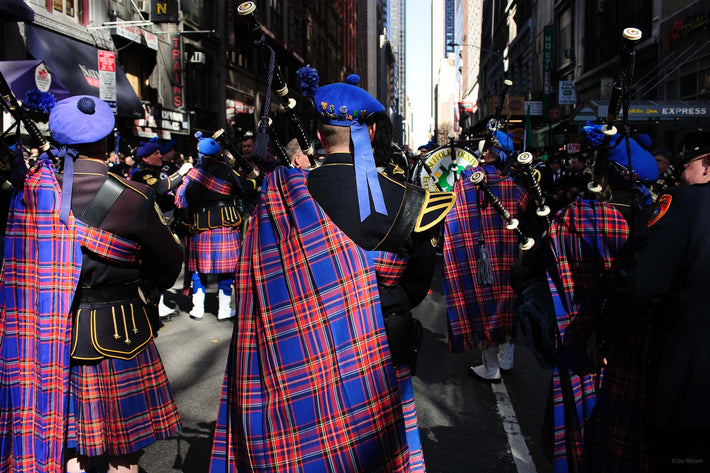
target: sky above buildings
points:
(418, 46)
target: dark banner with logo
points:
(164, 11)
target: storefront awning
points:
(16, 10)
(644, 110)
(23, 76)
(76, 64)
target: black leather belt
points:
(217, 204)
(108, 294)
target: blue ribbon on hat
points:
(68, 154)
(366, 173)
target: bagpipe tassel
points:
(484, 269)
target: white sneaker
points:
(480, 372)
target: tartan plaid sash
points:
(212, 183)
(585, 238)
(480, 316)
(389, 267)
(42, 267)
(309, 385)
(106, 244)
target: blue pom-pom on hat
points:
(353, 79)
(206, 146)
(80, 119)
(310, 80)
(39, 101)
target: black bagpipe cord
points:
(484, 266)
(262, 137)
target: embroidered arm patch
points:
(662, 206)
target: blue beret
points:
(343, 104)
(146, 149)
(641, 159)
(166, 146)
(208, 147)
(504, 141)
(80, 119)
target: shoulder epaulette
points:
(436, 206)
(126, 183)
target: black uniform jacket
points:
(409, 208)
(132, 216)
(154, 177)
(670, 279)
(199, 196)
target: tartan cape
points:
(480, 316)
(42, 267)
(309, 385)
(584, 240)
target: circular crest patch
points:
(443, 169)
(662, 206)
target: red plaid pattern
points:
(585, 238)
(206, 179)
(389, 267)
(480, 316)
(106, 244)
(309, 386)
(118, 407)
(40, 273)
(214, 251)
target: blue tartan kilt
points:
(118, 407)
(214, 251)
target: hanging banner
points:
(107, 78)
(176, 71)
(164, 11)
(547, 68)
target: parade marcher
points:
(150, 172)
(666, 173)
(294, 153)
(210, 192)
(660, 293)
(102, 356)
(309, 334)
(585, 243)
(478, 253)
(553, 177)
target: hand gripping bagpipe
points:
(494, 123)
(220, 136)
(620, 99)
(276, 82)
(478, 178)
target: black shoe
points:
(472, 372)
(505, 371)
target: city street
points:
(466, 425)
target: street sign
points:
(567, 95)
(107, 78)
(573, 148)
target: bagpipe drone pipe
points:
(275, 82)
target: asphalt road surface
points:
(466, 425)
